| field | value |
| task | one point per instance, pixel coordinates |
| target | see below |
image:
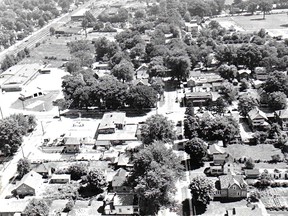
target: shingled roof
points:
(226, 181)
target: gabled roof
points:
(226, 181)
(119, 177)
(42, 168)
(216, 149)
(282, 114)
(31, 179)
(111, 118)
(123, 160)
(140, 82)
(256, 113)
(142, 67)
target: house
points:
(60, 179)
(102, 144)
(79, 15)
(221, 159)
(72, 145)
(257, 118)
(141, 72)
(121, 204)
(231, 186)
(29, 93)
(43, 169)
(198, 98)
(192, 27)
(122, 161)
(112, 121)
(275, 173)
(100, 66)
(282, 118)
(260, 73)
(244, 74)
(119, 180)
(9, 207)
(216, 149)
(29, 185)
(251, 173)
(140, 82)
(19, 76)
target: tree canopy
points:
(155, 172)
(157, 127)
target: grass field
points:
(275, 23)
(262, 152)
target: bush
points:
(69, 206)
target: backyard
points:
(259, 152)
(274, 197)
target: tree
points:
(265, 6)
(96, 179)
(69, 206)
(41, 22)
(155, 172)
(202, 190)
(52, 30)
(191, 126)
(276, 158)
(77, 170)
(123, 71)
(37, 207)
(249, 164)
(141, 96)
(246, 104)
(228, 92)
(23, 167)
(277, 100)
(252, 6)
(276, 81)
(249, 55)
(157, 127)
(84, 25)
(11, 134)
(179, 64)
(61, 104)
(228, 72)
(105, 48)
(197, 150)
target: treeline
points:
(12, 130)
(11, 60)
(18, 18)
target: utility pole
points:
(43, 132)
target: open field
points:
(274, 197)
(275, 23)
(262, 151)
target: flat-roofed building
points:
(112, 121)
(19, 75)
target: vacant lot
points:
(255, 22)
(262, 152)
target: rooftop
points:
(124, 200)
(119, 177)
(228, 180)
(72, 141)
(13, 206)
(216, 149)
(20, 74)
(127, 133)
(60, 176)
(110, 119)
(256, 113)
(283, 114)
(32, 179)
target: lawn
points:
(262, 151)
(255, 22)
(216, 208)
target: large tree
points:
(37, 207)
(96, 179)
(77, 170)
(197, 150)
(202, 190)
(246, 103)
(124, 71)
(155, 172)
(23, 167)
(141, 96)
(265, 6)
(157, 127)
(277, 100)
(276, 81)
